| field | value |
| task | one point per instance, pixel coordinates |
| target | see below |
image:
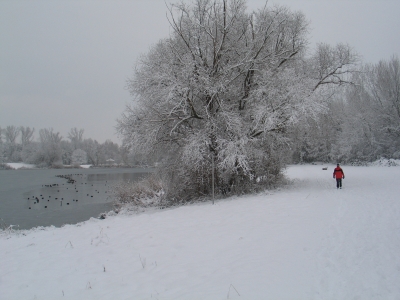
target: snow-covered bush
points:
(79, 157)
(139, 194)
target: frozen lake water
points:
(43, 197)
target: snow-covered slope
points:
(306, 241)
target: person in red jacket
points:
(338, 174)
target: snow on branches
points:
(226, 83)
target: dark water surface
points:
(31, 198)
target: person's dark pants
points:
(339, 182)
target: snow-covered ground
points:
(305, 241)
(17, 166)
(20, 165)
(85, 166)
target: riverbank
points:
(306, 241)
(24, 166)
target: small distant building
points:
(110, 161)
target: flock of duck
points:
(55, 189)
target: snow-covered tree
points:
(79, 157)
(1, 147)
(110, 150)
(26, 135)
(384, 88)
(11, 146)
(372, 123)
(27, 149)
(226, 86)
(30, 151)
(50, 152)
(66, 149)
(76, 137)
(94, 151)
(51, 149)
(11, 134)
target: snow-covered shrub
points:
(5, 167)
(396, 155)
(384, 162)
(79, 157)
(144, 193)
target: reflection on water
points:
(30, 198)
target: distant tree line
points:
(361, 122)
(18, 144)
(234, 96)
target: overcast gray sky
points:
(64, 64)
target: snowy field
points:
(305, 241)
